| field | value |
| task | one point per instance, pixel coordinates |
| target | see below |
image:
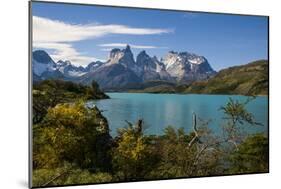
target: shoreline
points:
(136, 92)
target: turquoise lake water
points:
(161, 110)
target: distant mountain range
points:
(249, 79)
(176, 72)
(121, 69)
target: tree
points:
(175, 155)
(132, 156)
(236, 115)
(48, 93)
(75, 134)
(252, 156)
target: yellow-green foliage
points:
(71, 132)
(130, 146)
(49, 93)
(130, 156)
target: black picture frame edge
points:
(268, 91)
(30, 79)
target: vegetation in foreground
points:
(72, 144)
(48, 93)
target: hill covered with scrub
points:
(249, 79)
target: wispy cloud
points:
(65, 51)
(131, 45)
(47, 30)
(57, 35)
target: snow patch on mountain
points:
(186, 66)
(121, 68)
(42, 62)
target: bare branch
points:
(55, 177)
(194, 123)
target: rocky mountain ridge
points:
(122, 69)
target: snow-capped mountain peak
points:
(187, 66)
(42, 62)
(70, 70)
(63, 63)
(121, 68)
(44, 67)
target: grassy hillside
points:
(249, 79)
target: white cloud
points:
(57, 35)
(106, 49)
(47, 30)
(131, 45)
(65, 51)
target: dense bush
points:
(67, 174)
(133, 156)
(75, 134)
(49, 93)
(251, 156)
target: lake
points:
(161, 110)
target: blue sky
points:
(85, 33)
